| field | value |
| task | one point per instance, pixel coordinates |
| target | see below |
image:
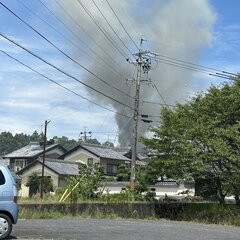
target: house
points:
(55, 169)
(4, 162)
(89, 154)
(24, 156)
(173, 189)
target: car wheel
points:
(5, 226)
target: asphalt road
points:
(107, 229)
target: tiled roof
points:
(58, 166)
(99, 151)
(62, 167)
(104, 152)
(31, 150)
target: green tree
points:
(36, 137)
(34, 183)
(201, 138)
(87, 182)
(108, 144)
(124, 172)
(66, 142)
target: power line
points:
(168, 105)
(112, 27)
(192, 66)
(154, 85)
(62, 71)
(121, 24)
(65, 54)
(90, 37)
(60, 85)
(70, 41)
(102, 29)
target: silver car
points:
(8, 202)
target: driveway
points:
(107, 229)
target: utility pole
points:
(44, 154)
(143, 63)
(84, 136)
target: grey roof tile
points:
(62, 167)
(105, 152)
(31, 150)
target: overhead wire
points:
(102, 30)
(115, 14)
(137, 32)
(62, 71)
(88, 35)
(60, 85)
(70, 41)
(162, 104)
(154, 85)
(192, 66)
(112, 28)
(65, 54)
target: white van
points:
(8, 202)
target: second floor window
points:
(90, 161)
(19, 164)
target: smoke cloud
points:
(176, 28)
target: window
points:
(111, 169)
(19, 164)
(2, 178)
(90, 161)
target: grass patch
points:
(211, 213)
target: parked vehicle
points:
(8, 202)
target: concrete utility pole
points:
(143, 63)
(44, 154)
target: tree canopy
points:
(201, 138)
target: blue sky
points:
(28, 99)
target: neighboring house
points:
(55, 169)
(141, 160)
(113, 187)
(4, 162)
(89, 154)
(174, 189)
(22, 157)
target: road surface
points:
(108, 229)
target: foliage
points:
(123, 172)
(211, 213)
(10, 142)
(201, 138)
(34, 183)
(108, 144)
(66, 142)
(87, 182)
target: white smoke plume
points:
(176, 28)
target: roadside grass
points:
(211, 213)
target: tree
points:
(87, 182)
(34, 182)
(123, 172)
(36, 137)
(108, 144)
(201, 138)
(66, 142)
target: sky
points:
(65, 61)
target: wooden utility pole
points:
(44, 154)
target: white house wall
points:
(55, 152)
(81, 156)
(24, 192)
